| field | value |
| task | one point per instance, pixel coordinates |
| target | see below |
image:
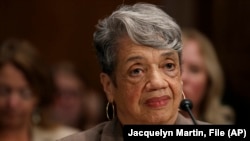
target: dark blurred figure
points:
(26, 88)
(76, 105)
(203, 79)
(95, 105)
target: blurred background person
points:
(76, 105)
(203, 79)
(26, 93)
(96, 108)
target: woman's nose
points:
(156, 80)
(14, 100)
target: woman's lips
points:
(157, 102)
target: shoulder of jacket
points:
(91, 134)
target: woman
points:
(25, 86)
(76, 105)
(139, 49)
(203, 79)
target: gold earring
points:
(107, 110)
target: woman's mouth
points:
(157, 102)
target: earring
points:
(36, 117)
(183, 95)
(112, 110)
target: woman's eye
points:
(170, 66)
(4, 91)
(26, 93)
(135, 72)
(194, 69)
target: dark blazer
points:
(112, 131)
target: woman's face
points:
(16, 98)
(194, 73)
(149, 85)
(69, 104)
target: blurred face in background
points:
(17, 101)
(68, 105)
(194, 73)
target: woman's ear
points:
(108, 86)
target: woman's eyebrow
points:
(167, 54)
(132, 58)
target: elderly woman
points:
(139, 49)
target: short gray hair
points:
(144, 23)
